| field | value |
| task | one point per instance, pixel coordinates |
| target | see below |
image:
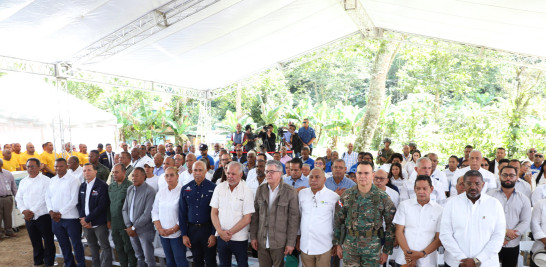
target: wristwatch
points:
(133, 228)
(424, 253)
(477, 262)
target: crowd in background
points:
(270, 198)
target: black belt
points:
(207, 224)
(5, 196)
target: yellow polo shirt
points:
(48, 159)
(67, 155)
(23, 157)
(10, 165)
(84, 158)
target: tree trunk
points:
(376, 95)
(238, 104)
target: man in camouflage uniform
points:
(358, 222)
(117, 191)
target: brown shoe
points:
(11, 235)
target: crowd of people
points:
(275, 202)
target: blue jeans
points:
(175, 252)
(69, 231)
(237, 248)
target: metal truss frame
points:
(151, 23)
(204, 124)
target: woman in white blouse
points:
(165, 218)
(410, 166)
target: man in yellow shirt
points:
(6, 146)
(16, 154)
(10, 164)
(83, 156)
(67, 153)
(48, 160)
(30, 153)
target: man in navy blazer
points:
(93, 204)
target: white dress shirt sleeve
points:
(40, 200)
(536, 221)
(494, 245)
(446, 231)
(524, 217)
(48, 198)
(74, 190)
(155, 209)
(248, 203)
(19, 197)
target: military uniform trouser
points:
(124, 249)
(361, 251)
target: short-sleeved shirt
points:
(211, 160)
(302, 181)
(84, 158)
(309, 161)
(11, 165)
(421, 223)
(232, 206)
(23, 157)
(48, 159)
(195, 204)
(306, 135)
(344, 184)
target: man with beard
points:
(517, 209)
(473, 226)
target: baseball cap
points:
(203, 147)
(148, 161)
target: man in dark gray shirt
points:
(137, 216)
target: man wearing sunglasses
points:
(537, 163)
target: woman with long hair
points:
(410, 166)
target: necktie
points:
(110, 159)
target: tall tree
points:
(376, 93)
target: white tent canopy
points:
(30, 106)
(213, 43)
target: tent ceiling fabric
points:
(233, 39)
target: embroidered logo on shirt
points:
(94, 193)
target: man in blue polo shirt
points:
(307, 135)
(194, 217)
(296, 178)
(338, 182)
(305, 152)
(203, 148)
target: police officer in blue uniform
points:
(194, 217)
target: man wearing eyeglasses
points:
(531, 154)
(274, 225)
(239, 156)
(296, 178)
(473, 226)
(317, 208)
(537, 163)
(517, 209)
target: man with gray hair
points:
(275, 224)
(475, 160)
(423, 167)
(232, 207)
(473, 226)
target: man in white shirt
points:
(473, 226)
(317, 209)
(187, 175)
(437, 174)
(452, 163)
(521, 186)
(232, 207)
(350, 157)
(423, 167)
(500, 154)
(380, 180)
(538, 228)
(31, 202)
(62, 200)
(418, 225)
(475, 160)
(138, 158)
(179, 162)
(75, 169)
(161, 182)
(259, 177)
(517, 210)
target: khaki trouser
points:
(271, 257)
(6, 207)
(322, 260)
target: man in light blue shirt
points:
(307, 135)
(338, 182)
(296, 178)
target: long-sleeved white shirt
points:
(538, 224)
(538, 194)
(62, 196)
(488, 178)
(317, 220)
(165, 208)
(421, 223)
(472, 230)
(31, 195)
